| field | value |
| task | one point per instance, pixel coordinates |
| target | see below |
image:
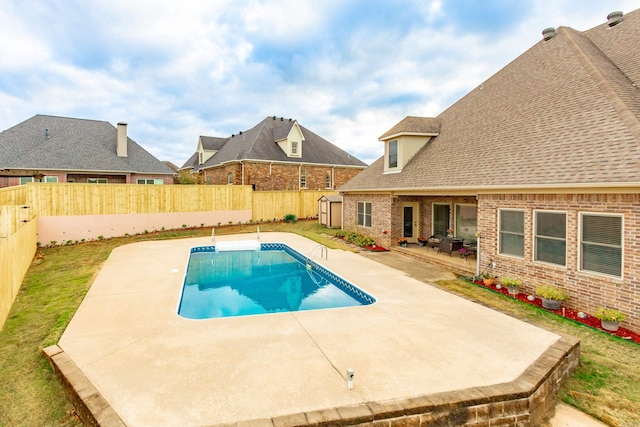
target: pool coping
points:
(525, 401)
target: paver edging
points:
(525, 401)
(91, 407)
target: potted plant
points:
(487, 280)
(422, 241)
(513, 285)
(552, 296)
(610, 318)
(449, 232)
(402, 242)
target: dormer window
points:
(294, 148)
(393, 154)
(404, 140)
(290, 139)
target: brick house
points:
(542, 161)
(276, 154)
(62, 149)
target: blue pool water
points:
(275, 278)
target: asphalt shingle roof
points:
(259, 143)
(61, 143)
(566, 112)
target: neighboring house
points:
(276, 154)
(61, 149)
(542, 161)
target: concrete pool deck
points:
(411, 348)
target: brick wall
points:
(278, 176)
(586, 290)
(381, 217)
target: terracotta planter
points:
(551, 304)
(488, 282)
(610, 325)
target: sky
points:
(348, 70)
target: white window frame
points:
(499, 240)
(97, 181)
(535, 236)
(230, 178)
(327, 182)
(580, 240)
(149, 181)
(303, 178)
(456, 219)
(363, 212)
(50, 178)
(26, 179)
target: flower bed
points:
(588, 320)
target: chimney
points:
(121, 147)
(614, 18)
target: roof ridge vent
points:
(614, 18)
(548, 33)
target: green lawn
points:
(606, 385)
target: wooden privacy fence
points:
(268, 205)
(106, 199)
(21, 206)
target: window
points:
(50, 179)
(96, 180)
(393, 154)
(364, 214)
(200, 158)
(150, 181)
(511, 233)
(25, 179)
(466, 222)
(440, 219)
(294, 147)
(230, 178)
(551, 237)
(327, 181)
(303, 178)
(601, 244)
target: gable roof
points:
(410, 125)
(62, 143)
(259, 143)
(566, 113)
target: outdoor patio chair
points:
(434, 241)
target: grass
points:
(606, 385)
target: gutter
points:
(600, 187)
(285, 163)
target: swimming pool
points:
(272, 277)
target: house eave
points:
(283, 162)
(574, 188)
(399, 134)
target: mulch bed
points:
(589, 320)
(375, 248)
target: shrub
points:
(290, 218)
(609, 314)
(551, 292)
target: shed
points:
(330, 211)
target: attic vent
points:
(548, 33)
(46, 133)
(614, 18)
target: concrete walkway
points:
(155, 368)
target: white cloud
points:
(177, 70)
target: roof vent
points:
(281, 119)
(614, 18)
(46, 133)
(548, 33)
(274, 117)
